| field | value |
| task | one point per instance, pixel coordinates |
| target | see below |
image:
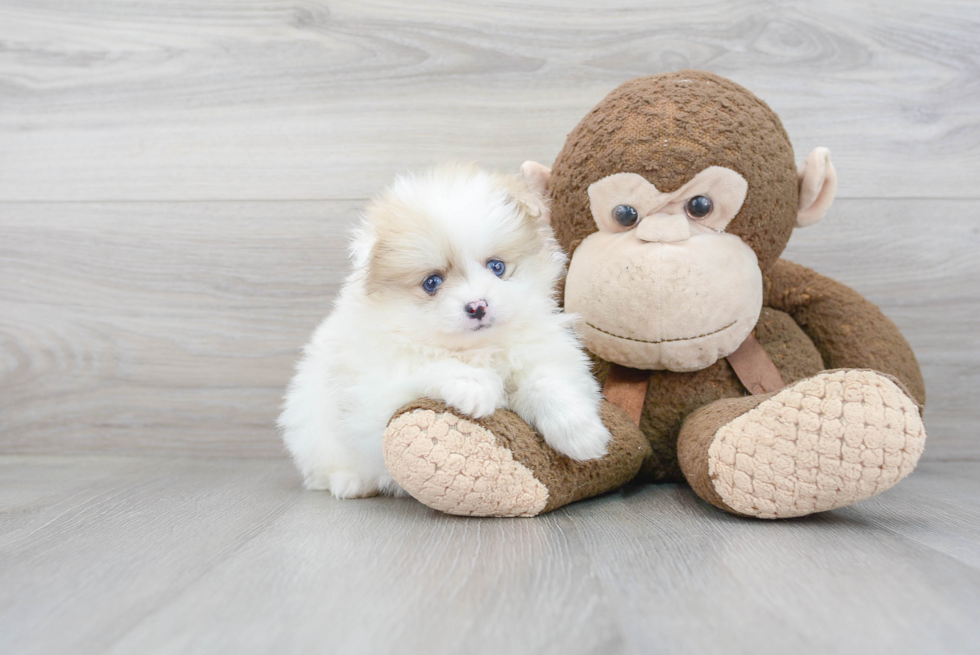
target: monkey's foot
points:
(499, 466)
(819, 444)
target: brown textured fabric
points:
(671, 397)
(696, 436)
(847, 329)
(566, 479)
(626, 388)
(754, 369)
(669, 127)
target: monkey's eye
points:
(625, 215)
(432, 284)
(496, 267)
(699, 206)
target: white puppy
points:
(451, 296)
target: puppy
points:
(451, 296)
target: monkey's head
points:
(674, 196)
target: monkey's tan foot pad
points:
(456, 466)
(498, 466)
(822, 443)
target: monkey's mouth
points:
(700, 336)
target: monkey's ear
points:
(818, 186)
(538, 179)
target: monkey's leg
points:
(821, 443)
(499, 466)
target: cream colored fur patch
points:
(457, 467)
(825, 442)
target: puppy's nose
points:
(476, 309)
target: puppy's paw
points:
(343, 484)
(477, 393)
(577, 433)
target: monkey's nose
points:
(664, 228)
(476, 309)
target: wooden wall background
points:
(176, 178)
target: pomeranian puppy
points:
(451, 296)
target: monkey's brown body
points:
(671, 397)
(663, 287)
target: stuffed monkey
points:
(770, 389)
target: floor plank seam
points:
(208, 568)
(607, 596)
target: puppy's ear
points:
(537, 180)
(538, 177)
(361, 244)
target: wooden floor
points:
(161, 555)
(176, 184)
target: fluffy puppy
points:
(451, 296)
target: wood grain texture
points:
(124, 100)
(131, 328)
(176, 182)
(159, 325)
(159, 555)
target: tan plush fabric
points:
(818, 186)
(678, 307)
(696, 437)
(457, 466)
(725, 187)
(826, 442)
(499, 466)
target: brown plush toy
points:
(772, 390)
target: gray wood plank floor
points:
(159, 555)
(176, 180)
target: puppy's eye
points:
(699, 206)
(625, 215)
(432, 284)
(496, 267)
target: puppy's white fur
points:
(388, 341)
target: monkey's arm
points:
(847, 329)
